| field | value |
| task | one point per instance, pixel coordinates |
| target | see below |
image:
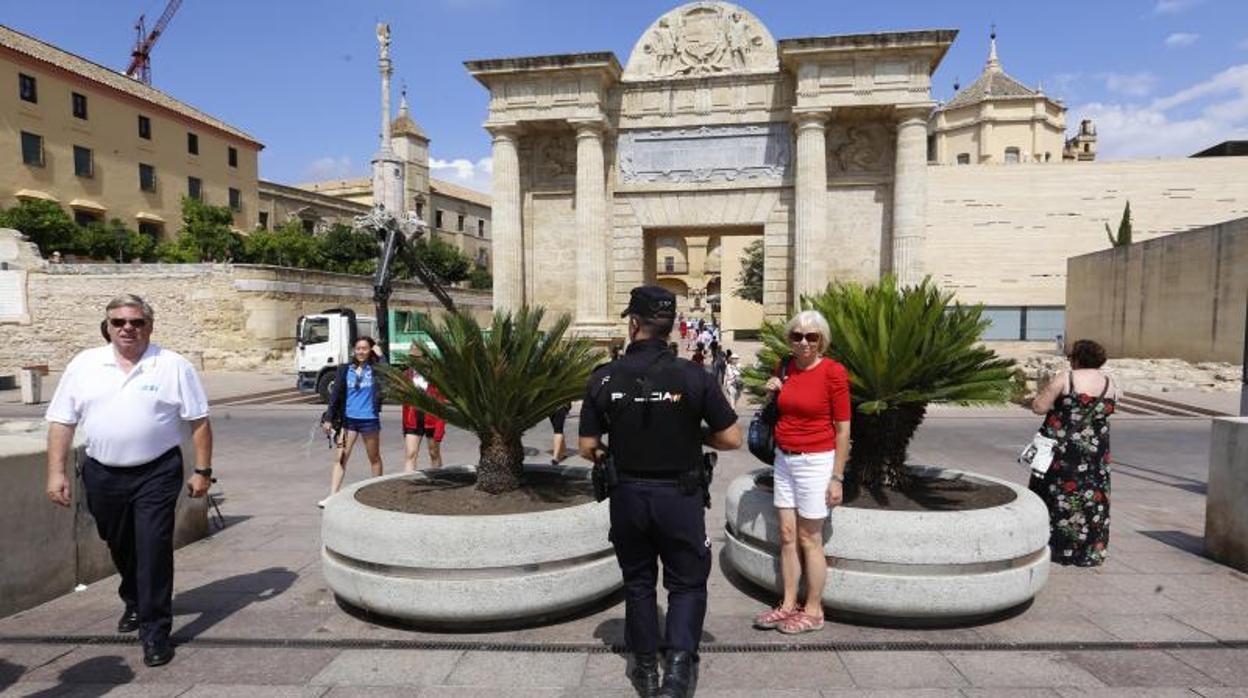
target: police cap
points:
(651, 302)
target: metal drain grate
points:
(596, 648)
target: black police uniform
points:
(652, 404)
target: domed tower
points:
(998, 120)
(410, 143)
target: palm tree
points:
(498, 383)
(904, 348)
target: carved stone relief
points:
(700, 39)
(860, 147)
(554, 157)
(756, 152)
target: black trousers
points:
(652, 520)
(134, 513)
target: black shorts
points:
(557, 419)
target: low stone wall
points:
(222, 317)
(48, 549)
(1226, 509)
(1181, 296)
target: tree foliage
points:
(750, 278)
(1124, 229)
(904, 348)
(44, 222)
(206, 235)
(498, 384)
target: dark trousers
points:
(652, 520)
(133, 509)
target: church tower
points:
(411, 146)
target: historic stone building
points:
(999, 120)
(818, 145)
(105, 146)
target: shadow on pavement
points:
(1179, 539)
(96, 676)
(221, 599)
(460, 627)
(10, 673)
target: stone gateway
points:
(818, 146)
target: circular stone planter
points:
(473, 570)
(906, 567)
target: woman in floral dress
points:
(1077, 405)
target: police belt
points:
(672, 476)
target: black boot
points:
(645, 674)
(681, 676)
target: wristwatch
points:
(206, 472)
(838, 478)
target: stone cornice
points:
(604, 61)
(936, 41)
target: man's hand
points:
(58, 489)
(198, 486)
(836, 493)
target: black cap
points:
(651, 302)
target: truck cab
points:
(323, 342)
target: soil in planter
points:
(927, 494)
(455, 494)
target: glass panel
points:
(1045, 323)
(32, 149)
(315, 330)
(1007, 323)
(82, 161)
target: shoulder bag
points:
(761, 437)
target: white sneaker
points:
(321, 504)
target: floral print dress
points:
(1076, 486)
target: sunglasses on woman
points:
(810, 337)
(120, 322)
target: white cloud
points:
(328, 167)
(1179, 124)
(1181, 39)
(474, 175)
(1130, 84)
(1173, 7)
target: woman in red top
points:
(812, 445)
(417, 425)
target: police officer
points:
(653, 405)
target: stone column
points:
(591, 224)
(910, 195)
(505, 221)
(812, 203)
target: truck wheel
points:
(325, 385)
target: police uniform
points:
(651, 405)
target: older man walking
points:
(130, 398)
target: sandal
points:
(800, 622)
(772, 618)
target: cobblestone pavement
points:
(254, 618)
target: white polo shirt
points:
(128, 419)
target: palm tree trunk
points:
(501, 464)
(879, 444)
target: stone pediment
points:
(702, 39)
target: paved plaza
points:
(254, 617)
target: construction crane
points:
(141, 57)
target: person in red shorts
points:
(812, 445)
(418, 425)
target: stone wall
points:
(234, 317)
(1001, 234)
(1181, 296)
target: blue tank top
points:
(360, 389)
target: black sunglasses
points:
(120, 322)
(812, 337)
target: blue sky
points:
(1161, 77)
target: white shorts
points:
(801, 482)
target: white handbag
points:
(1038, 455)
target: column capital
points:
(811, 119)
(586, 128)
(909, 113)
(503, 131)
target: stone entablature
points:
(710, 111)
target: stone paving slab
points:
(1140, 668)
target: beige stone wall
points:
(1001, 235)
(110, 131)
(550, 254)
(1181, 296)
(221, 316)
(859, 218)
(983, 131)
